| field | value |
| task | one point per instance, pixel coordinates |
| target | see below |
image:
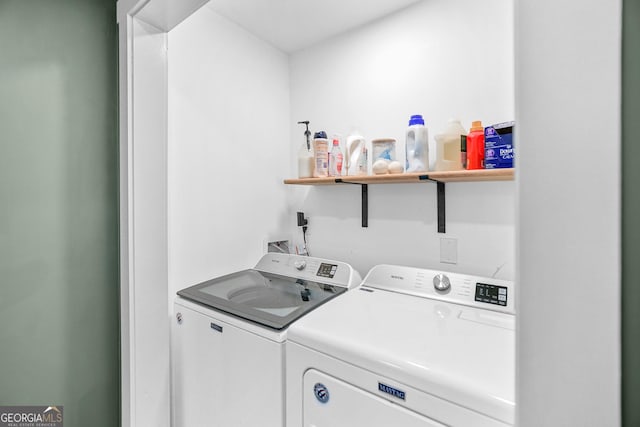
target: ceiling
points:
(292, 25)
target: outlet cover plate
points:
(448, 250)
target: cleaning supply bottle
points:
(335, 158)
(448, 146)
(417, 145)
(363, 162)
(354, 150)
(475, 146)
(305, 155)
(321, 153)
(463, 151)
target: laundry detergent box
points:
(498, 146)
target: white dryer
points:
(410, 347)
(228, 335)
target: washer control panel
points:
(327, 270)
(476, 291)
(309, 268)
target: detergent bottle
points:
(353, 154)
(475, 146)
(448, 147)
(417, 145)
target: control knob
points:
(441, 282)
(300, 265)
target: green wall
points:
(631, 214)
(59, 280)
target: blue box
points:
(498, 146)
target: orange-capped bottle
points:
(475, 146)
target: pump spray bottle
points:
(305, 155)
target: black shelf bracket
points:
(364, 189)
(440, 192)
(365, 205)
(438, 178)
(441, 207)
(440, 202)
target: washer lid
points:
(265, 298)
(462, 354)
(280, 288)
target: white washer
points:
(228, 339)
(410, 347)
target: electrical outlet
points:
(448, 250)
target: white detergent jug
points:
(417, 145)
(355, 146)
(448, 147)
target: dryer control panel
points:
(475, 291)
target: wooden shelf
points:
(404, 178)
(473, 175)
(440, 178)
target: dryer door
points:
(330, 402)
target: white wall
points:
(440, 59)
(568, 114)
(148, 321)
(233, 101)
(567, 56)
(228, 147)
